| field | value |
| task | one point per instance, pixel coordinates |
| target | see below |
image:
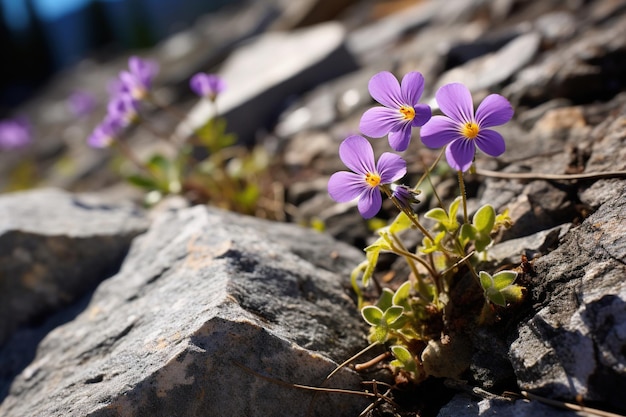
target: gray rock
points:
(582, 70)
(204, 300)
(532, 246)
(574, 344)
(607, 154)
(56, 248)
(265, 73)
(463, 406)
(489, 71)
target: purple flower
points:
(105, 133)
(81, 103)
(138, 81)
(358, 155)
(14, 134)
(461, 129)
(123, 109)
(207, 85)
(405, 196)
(401, 110)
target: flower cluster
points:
(126, 91)
(459, 129)
(410, 317)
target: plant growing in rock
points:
(208, 166)
(412, 316)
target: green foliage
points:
(447, 221)
(500, 288)
(410, 316)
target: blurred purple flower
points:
(401, 110)
(14, 134)
(138, 80)
(462, 130)
(105, 133)
(81, 103)
(358, 155)
(207, 85)
(123, 109)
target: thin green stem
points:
(399, 251)
(463, 196)
(409, 213)
(421, 286)
(427, 171)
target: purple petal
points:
(494, 110)
(391, 167)
(345, 186)
(412, 87)
(399, 139)
(460, 154)
(370, 203)
(455, 101)
(385, 89)
(490, 142)
(439, 131)
(145, 70)
(423, 114)
(357, 153)
(378, 121)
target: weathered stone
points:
(56, 247)
(462, 405)
(583, 71)
(574, 344)
(263, 74)
(489, 71)
(534, 245)
(608, 153)
(204, 299)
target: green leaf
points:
(503, 279)
(500, 288)
(497, 298)
(142, 182)
(404, 358)
(398, 323)
(485, 280)
(484, 219)
(372, 315)
(481, 242)
(466, 234)
(513, 293)
(453, 210)
(401, 222)
(392, 314)
(437, 214)
(402, 354)
(379, 334)
(386, 299)
(371, 254)
(401, 296)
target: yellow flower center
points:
(372, 179)
(408, 112)
(470, 130)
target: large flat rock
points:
(204, 299)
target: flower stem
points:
(463, 196)
(406, 211)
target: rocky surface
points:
(204, 300)
(57, 247)
(203, 284)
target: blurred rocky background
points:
(110, 308)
